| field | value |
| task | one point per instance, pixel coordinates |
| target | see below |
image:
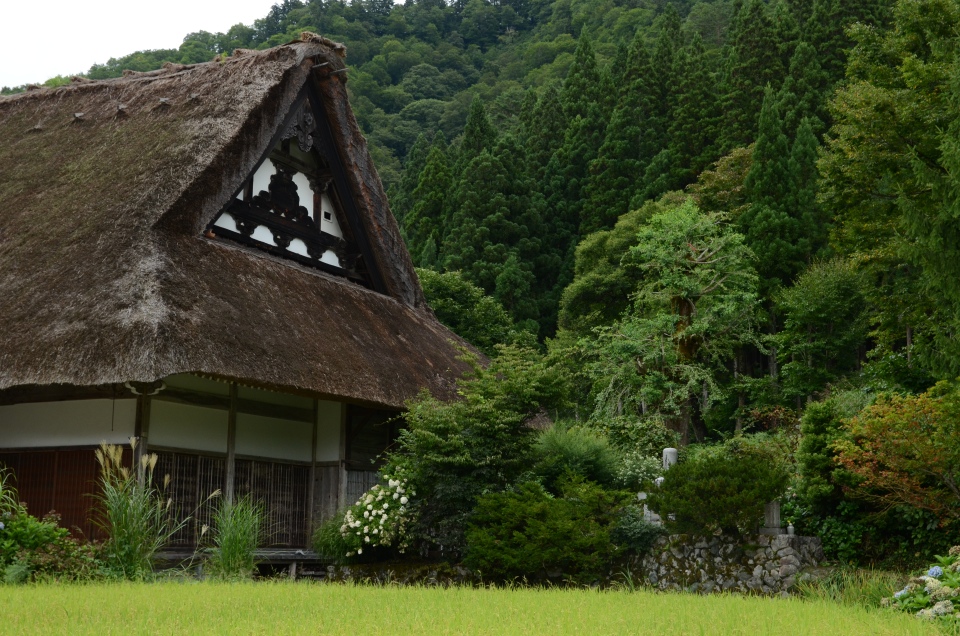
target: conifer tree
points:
(544, 134)
(825, 33)
(771, 231)
(401, 197)
(628, 146)
(497, 215)
(802, 195)
(581, 88)
(803, 92)
(478, 135)
(753, 62)
(787, 31)
(426, 222)
(566, 175)
(694, 125)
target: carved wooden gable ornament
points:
(296, 204)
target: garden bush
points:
(452, 452)
(633, 533)
(39, 549)
(329, 542)
(720, 489)
(563, 450)
(934, 595)
(527, 533)
(380, 518)
(905, 451)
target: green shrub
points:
(573, 450)
(238, 528)
(329, 542)
(527, 533)
(935, 594)
(453, 452)
(633, 533)
(720, 489)
(135, 516)
(36, 549)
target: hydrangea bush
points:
(379, 518)
(936, 594)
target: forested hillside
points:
(507, 131)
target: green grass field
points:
(305, 608)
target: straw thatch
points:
(106, 277)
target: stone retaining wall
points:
(770, 565)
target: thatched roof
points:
(106, 277)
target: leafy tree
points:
(824, 327)
(694, 307)
(891, 120)
(603, 279)
(905, 450)
(469, 312)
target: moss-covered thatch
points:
(106, 277)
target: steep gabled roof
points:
(105, 273)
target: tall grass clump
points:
(135, 515)
(851, 586)
(238, 531)
(9, 499)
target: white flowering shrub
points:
(379, 518)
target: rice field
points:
(308, 608)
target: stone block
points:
(787, 570)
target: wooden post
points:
(229, 468)
(342, 486)
(312, 486)
(141, 431)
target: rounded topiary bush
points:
(719, 491)
(527, 533)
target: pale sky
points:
(39, 40)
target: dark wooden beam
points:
(230, 467)
(61, 392)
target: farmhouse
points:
(202, 257)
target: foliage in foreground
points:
(935, 594)
(237, 535)
(307, 609)
(136, 517)
(527, 533)
(39, 549)
(905, 450)
(452, 452)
